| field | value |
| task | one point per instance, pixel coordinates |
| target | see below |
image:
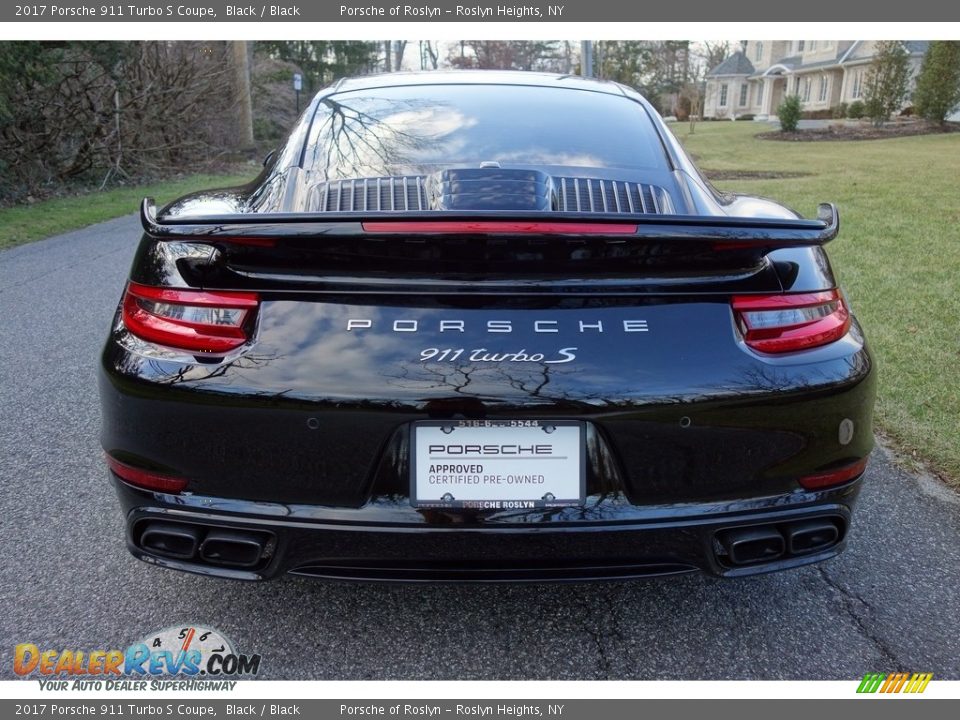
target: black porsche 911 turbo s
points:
(484, 326)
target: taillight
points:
(787, 323)
(206, 322)
(146, 478)
(834, 477)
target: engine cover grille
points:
(577, 194)
(489, 190)
(370, 194)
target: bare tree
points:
(692, 94)
(429, 52)
(399, 46)
(240, 72)
(508, 55)
(393, 51)
(714, 53)
(134, 109)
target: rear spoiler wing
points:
(736, 232)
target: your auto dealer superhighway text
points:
(517, 711)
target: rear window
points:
(416, 130)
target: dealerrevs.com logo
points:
(198, 657)
(891, 683)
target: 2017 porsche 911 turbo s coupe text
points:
(484, 326)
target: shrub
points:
(875, 109)
(840, 111)
(856, 110)
(789, 113)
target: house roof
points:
(862, 51)
(818, 64)
(777, 67)
(736, 64)
(857, 53)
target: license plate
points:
(497, 464)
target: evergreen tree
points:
(938, 86)
(886, 81)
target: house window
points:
(806, 89)
(758, 51)
(796, 86)
(744, 89)
(857, 84)
(800, 45)
(824, 86)
(723, 95)
(812, 46)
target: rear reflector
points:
(485, 227)
(194, 320)
(834, 477)
(146, 478)
(787, 323)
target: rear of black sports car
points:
(484, 327)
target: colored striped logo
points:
(894, 682)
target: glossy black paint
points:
(305, 431)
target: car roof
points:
(475, 77)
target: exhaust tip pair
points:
(755, 544)
(223, 547)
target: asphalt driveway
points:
(891, 602)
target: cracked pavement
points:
(891, 602)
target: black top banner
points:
(508, 12)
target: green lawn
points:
(897, 257)
(27, 223)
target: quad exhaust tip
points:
(171, 540)
(766, 542)
(232, 548)
(221, 547)
(813, 536)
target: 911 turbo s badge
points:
(563, 355)
(504, 326)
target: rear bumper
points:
(628, 541)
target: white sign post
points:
(298, 86)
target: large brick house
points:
(824, 73)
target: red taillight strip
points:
(146, 478)
(834, 477)
(486, 227)
(223, 299)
